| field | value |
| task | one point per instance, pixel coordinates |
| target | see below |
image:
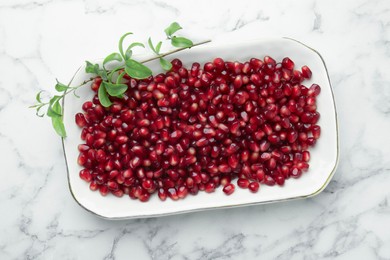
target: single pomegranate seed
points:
(306, 72)
(254, 187)
(316, 130)
(306, 156)
(80, 120)
(86, 175)
(228, 189)
(210, 187)
(172, 193)
(268, 180)
(295, 172)
(103, 190)
(162, 194)
(288, 64)
(314, 90)
(279, 179)
(243, 183)
(144, 197)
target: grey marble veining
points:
(44, 39)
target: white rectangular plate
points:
(324, 156)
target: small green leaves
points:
(113, 56)
(38, 96)
(158, 47)
(151, 45)
(54, 109)
(103, 97)
(137, 70)
(181, 42)
(129, 52)
(115, 90)
(166, 65)
(91, 68)
(171, 29)
(61, 87)
(135, 44)
(120, 45)
(58, 126)
(120, 77)
(112, 84)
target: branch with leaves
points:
(112, 84)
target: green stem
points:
(72, 89)
(174, 51)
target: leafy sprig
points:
(112, 84)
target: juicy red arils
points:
(201, 127)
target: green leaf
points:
(58, 126)
(121, 43)
(181, 42)
(128, 54)
(170, 30)
(134, 44)
(137, 70)
(54, 109)
(38, 96)
(158, 47)
(61, 87)
(103, 74)
(166, 65)
(92, 68)
(113, 56)
(37, 113)
(120, 77)
(151, 45)
(103, 97)
(115, 89)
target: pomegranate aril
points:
(254, 186)
(80, 120)
(162, 194)
(279, 179)
(287, 63)
(103, 190)
(228, 189)
(268, 180)
(86, 175)
(210, 187)
(172, 193)
(316, 131)
(242, 183)
(144, 197)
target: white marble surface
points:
(44, 39)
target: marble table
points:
(46, 39)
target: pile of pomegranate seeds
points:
(196, 129)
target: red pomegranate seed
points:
(228, 189)
(80, 120)
(172, 193)
(243, 183)
(162, 194)
(254, 186)
(306, 72)
(144, 197)
(86, 175)
(103, 190)
(316, 130)
(295, 172)
(288, 64)
(279, 179)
